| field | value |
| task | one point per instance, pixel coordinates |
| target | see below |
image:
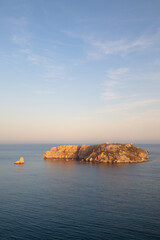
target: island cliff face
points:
(106, 153)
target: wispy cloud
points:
(98, 49)
(51, 70)
(44, 92)
(121, 46)
(136, 104)
(121, 98)
(131, 107)
(35, 58)
(115, 74)
(21, 40)
(17, 22)
(19, 29)
(114, 81)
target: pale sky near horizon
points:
(79, 71)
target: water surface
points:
(47, 199)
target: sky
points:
(79, 71)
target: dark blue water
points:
(71, 200)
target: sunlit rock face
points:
(63, 152)
(105, 153)
(20, 161)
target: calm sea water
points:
(70, 200)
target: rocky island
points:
(105, 153)
(20, 161)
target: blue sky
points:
(79, 71)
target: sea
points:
(70, 200)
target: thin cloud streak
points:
(138, 106)
(52, 71)
(17, 22)
(98, 49)
(44, 92)
(35, 58)
(122, 46)
(115, 77)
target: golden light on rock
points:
(20, 161)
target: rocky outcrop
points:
(63, 152)
(106, 153)
(20, 161)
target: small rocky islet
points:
(20, 161)
(99, 153)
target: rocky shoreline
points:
(105, 153)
